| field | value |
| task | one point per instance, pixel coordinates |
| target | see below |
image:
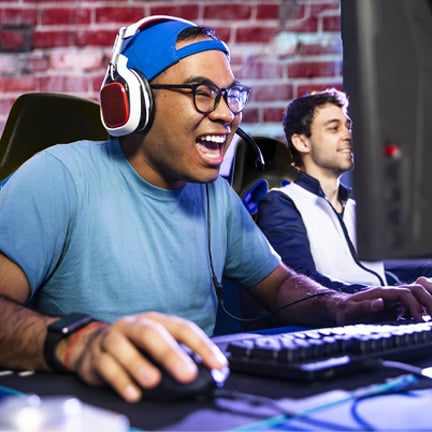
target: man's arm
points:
(23, 330)
(109, 354)
(300, 300)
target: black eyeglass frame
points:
(221, 92)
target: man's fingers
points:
(128, 354)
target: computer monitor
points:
(387, 73)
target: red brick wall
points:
(64, 46)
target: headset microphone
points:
(260, 163)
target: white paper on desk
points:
(57, 413)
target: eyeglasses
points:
(206, 95)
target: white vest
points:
(328, 245)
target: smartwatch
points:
(58, 330)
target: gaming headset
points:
(125, 96)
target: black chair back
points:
(252, 182)
(39, 120)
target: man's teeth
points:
(213, 138)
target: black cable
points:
(270, 313)
(365, 425)
(260, 162)
(402, 389)
(219, 286)
(267, 402)
(400, 385)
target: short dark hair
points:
(196, 31)
(300, 112)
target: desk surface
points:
(409, 411)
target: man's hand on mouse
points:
(114, 354)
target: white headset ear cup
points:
(126, 98)
(128, 94)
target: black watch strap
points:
(58, 330)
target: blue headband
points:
(153, 49)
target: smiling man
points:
(311, 222)
(113, 252)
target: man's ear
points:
(300, 142)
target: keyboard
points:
(326, 353)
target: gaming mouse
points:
(169, 389)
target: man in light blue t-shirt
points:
(125, 242)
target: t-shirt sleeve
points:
(250, 257)
(34, 216)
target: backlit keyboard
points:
(328, 352)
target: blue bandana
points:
(153, 49)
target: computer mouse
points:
(204, 385)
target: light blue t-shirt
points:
(92, 236)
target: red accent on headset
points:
(115, 105)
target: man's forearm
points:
(22, 335)
(301, 300)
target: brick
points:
(124, 15)
(39, 1)
(186, 11)
(17, 16)
(260, 69)
(268, 11)
(230, 11)
(51, 39)
(322, 45)
(331, 24)
(271, 92)
(312, 69)
(274, 114)
(85, 37)
(223, 32)
(251, 115)
(252, 34)
(56, 16)
(19, 83)
(321, 7)
(82, 16)
(66, 16)
(307, 25)
(15, 39)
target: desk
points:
(386, 412)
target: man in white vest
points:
(311, 221)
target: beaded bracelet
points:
(75, 338)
